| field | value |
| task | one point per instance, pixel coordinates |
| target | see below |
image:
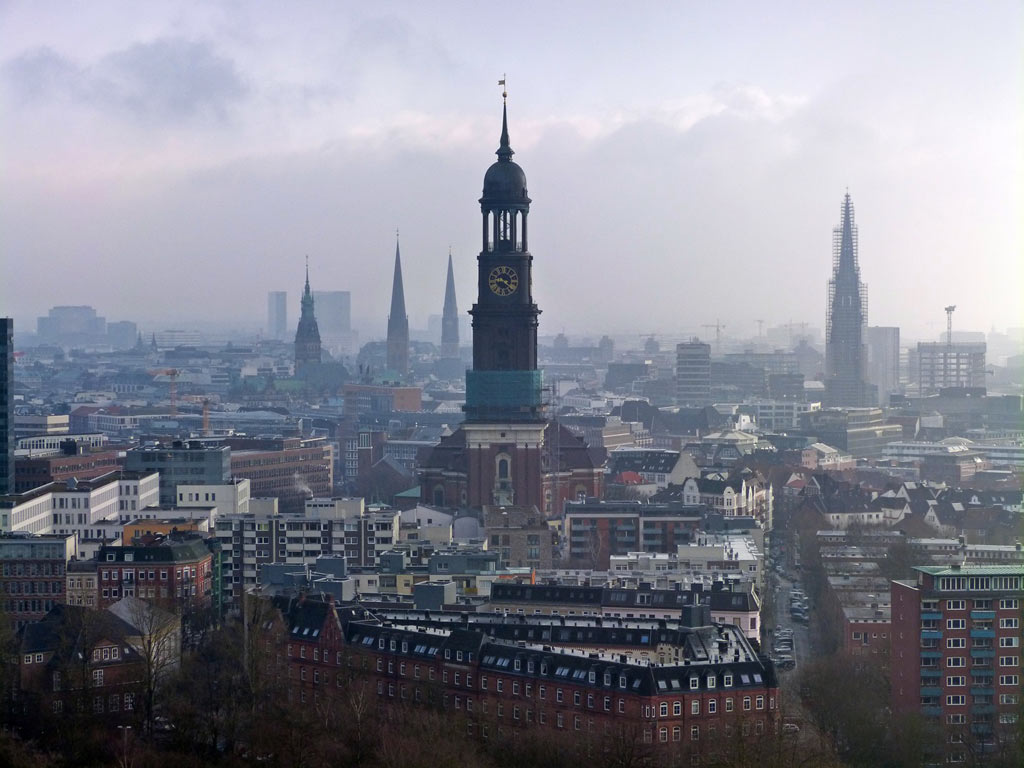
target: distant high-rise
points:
(333, 313)
(398, 323)
(883, 363)
(693, 373)
(7, 406)
(846, 319)
(277, 315)
(307, 338)
(450, 317)
(942, 364)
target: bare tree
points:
(157, 640)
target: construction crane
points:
(172, 386)
(718, 331)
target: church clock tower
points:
(504, 408)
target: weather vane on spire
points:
(504, 89)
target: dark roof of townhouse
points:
(73, 629)
(724, 600)
(654, 461)
(710, 485)
(304, 617)
(164, 550)
(613, 597)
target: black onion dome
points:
(505, 181)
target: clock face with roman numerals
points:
(503, 280)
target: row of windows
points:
(517, 714)
(979, 583)
(1004, 661)
(980, 604)
(113, 703)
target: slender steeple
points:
(308, 350)
(398, 321)
(847, 318)
(450, 316)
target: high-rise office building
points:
(693, 373)
(277, 315)
(6, 405)
(846, 319)
(333, 314)
(883, 361)
(941, 365)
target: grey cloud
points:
(41, 74)
(167, 80)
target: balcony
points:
(931, 711)
(991, 633)
(983, 615)
(931, 691)
(931, 634)
(931, 616)
(931, 672)
(976, 691)
(931, 654)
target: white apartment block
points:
(92, 510)
(226, 498)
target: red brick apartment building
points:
(174, 570)
(956, 652)
(80, 658)
(722, 688)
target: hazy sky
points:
(686, 160)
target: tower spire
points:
(398, 321)
(308, 350)
(450, 316)
(504, 152)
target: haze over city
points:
(172, 162)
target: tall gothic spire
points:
(847, 262)
(450, 316)
(398, 322)
(846, 319)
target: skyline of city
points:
(698, 169)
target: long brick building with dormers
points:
(719, 688)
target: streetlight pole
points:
(124, 756)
